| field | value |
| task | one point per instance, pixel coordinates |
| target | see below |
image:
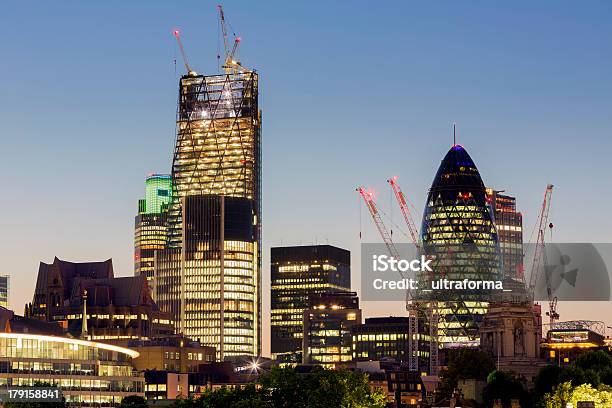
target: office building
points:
(459, 233)
(88, 373)
(327, 328)
(400, 339)
(150, 225)
(4, 291)
(209, 278)
(116, 309)
(298, 272)
(509, 224)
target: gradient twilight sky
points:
(351, 93)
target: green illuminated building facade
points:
(150, 232)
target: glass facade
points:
(459, 233)
(509, 223)
(150, 229)
(88, 373)
(209, 277)
(382, 338)
(296, 273)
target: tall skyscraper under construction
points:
(209, 277)
(509, 224)
(459, 233)
(150, 225)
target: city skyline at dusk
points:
(367, 92)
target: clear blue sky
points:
(351, 93)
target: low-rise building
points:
(403, 339)
(88, 373)
(165, 385)
(566, 341)
(172, 353)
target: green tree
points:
(598, 361)
(559, 397)
(565, 392)
(572, 374)
(463, 364)
(546, 380)
(285, 388)
(606, 376)
(503, 386)
(133, 401)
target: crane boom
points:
(539, 244)
(368, 197)
(401, 200)
(223, 29)
(177, 34)
(412, 308)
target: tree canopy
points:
(284, 387)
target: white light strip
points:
(131, 353)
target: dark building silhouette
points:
(118, 309)
(392, 338)
(298, 272)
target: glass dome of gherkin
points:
(459, 233)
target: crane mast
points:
(539, 257)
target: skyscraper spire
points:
(454, 134)
(84, 334)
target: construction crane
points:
(230, 65)
(539, 257)
(416, 308)
(401, 200)
(368, 197)
(177, 34)
(411, 307)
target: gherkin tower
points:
(459, 233)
